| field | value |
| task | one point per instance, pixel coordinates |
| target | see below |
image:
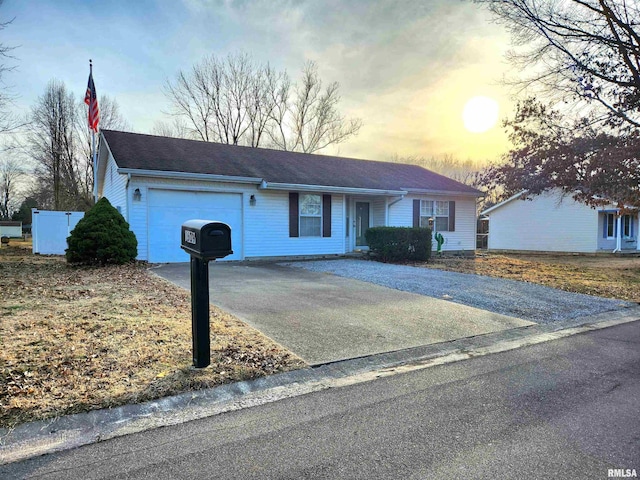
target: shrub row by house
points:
(395, 244)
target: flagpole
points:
(95, 167)
(94, 158)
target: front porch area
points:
(363, 212)
(618, 233)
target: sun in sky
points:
(408, 88)
(480, 114)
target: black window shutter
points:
(416, 213)
(326, 215)
(452, 216)
(294, 229)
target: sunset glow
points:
(408, 88)
(480, 114)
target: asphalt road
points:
(563, 409)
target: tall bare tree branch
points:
(236, 101)
(12, 170)
(9, 121)
(60, 144)
(583, 51)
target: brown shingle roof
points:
(148, 152)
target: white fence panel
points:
(50, 230)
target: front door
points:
(362, 223)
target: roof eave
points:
(190, 176)
(424, 191)
(498, 205)
(102, 159)
(329, 189)
(264, 185)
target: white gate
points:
(50, 230)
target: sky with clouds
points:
(405, 67)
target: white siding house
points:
(278, 204)
(115, 187)
(10, 229)
(552, 222)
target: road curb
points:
(42, 437)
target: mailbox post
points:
(203, 240)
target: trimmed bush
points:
(102, 237)
(397, 244)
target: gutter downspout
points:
(389, 205)
(396, 201)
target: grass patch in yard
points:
(74, 339)
(604, 276)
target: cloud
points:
(405, 67)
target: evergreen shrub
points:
(102, 237)
(397, 244)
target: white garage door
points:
(169, 209)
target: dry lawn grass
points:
(604, 276)
(75, 339)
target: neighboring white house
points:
(551, 222)
(277, 203)
(10, 229)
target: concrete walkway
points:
(325, 318)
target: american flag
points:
(91, 99)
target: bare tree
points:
(311, 121)
(177, 128)
(54, 146)
(463, 171)
(8, 120)
(238, 102)
(264, 96)
(584, 51)
(59, 141)
(213, 98)
(11, 172)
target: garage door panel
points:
(168, 210)
(224, 202)
(164, 235)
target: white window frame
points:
(625, 224)
(426, 212)
(302, 215)
(441, 211)
(613, 225)
(434, 209)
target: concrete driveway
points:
(325, 318)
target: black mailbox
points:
(206, 239)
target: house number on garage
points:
(190, 237)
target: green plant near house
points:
(102, 237)
(397, 244)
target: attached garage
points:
(169, 209)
